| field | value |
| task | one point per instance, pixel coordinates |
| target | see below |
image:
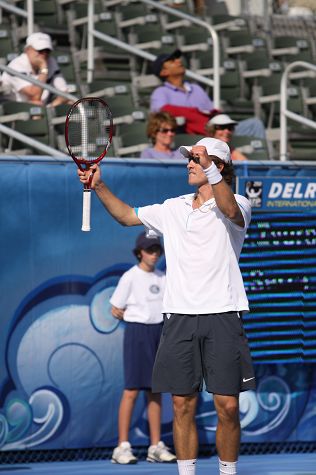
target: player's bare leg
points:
(125, 413)
(228, 427)
(184, 427)
(154, 416)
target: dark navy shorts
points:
(196, 349)
(140, 347)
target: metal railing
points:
(46, 149)
(285, 113)
(28, 14)
(92, 33)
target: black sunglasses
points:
(166, 130)
(225, 127)
(43, 51)
(194, 159)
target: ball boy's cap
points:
(214, 147)
(157, 65)
(145, 241)
(39, 41)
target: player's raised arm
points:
(223, 193)
(212, 167)
(120, 211)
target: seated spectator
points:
(37, 63)
(161, 130)
(222, 127)
(184, 99)
(299, 8)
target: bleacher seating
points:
(253, 58)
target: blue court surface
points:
(276, 464)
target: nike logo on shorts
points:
(244, 380)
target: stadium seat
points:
(124, 110)
(302, 143)
(252, 148)
(151, 38)
(143, 86)
(131, 141)
(194, 38)
(186, 139)
(289, 49)
(67, 69)
(7, 49)
(34, 125)
(267, 95)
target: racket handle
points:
(86, 210)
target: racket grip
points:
(86, 206)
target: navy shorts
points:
(140, 347)
(203, 348)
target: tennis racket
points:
(88, 135)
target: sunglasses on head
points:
(225, 127)
(165, 130)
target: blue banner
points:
(279, 193)
(61, 374)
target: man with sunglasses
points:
(203, 340)
(222, 127)
(188, 100)
(36, 62)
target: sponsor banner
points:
(279, 194)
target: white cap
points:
(39, 41)
(222, 119)
(214, 147)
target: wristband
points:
(213, 174)
(44, 71)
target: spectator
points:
(300, 8)
(161, 130)
(35, 62)
(138, 301)
(184, 99)
(222, 127)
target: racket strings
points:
(89, 129)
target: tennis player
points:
(203, 337)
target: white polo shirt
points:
(13, 84)
(140, 293)
(202, 249)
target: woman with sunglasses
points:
(222, 127)
(161, 129)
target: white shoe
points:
(123, 454)
(160, 453)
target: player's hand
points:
(91, 177)
(117, 312)
(199, 154)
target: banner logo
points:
(254, 193)
(279, 194)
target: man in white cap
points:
(35, 62)
(203, 340)
(222, 127)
